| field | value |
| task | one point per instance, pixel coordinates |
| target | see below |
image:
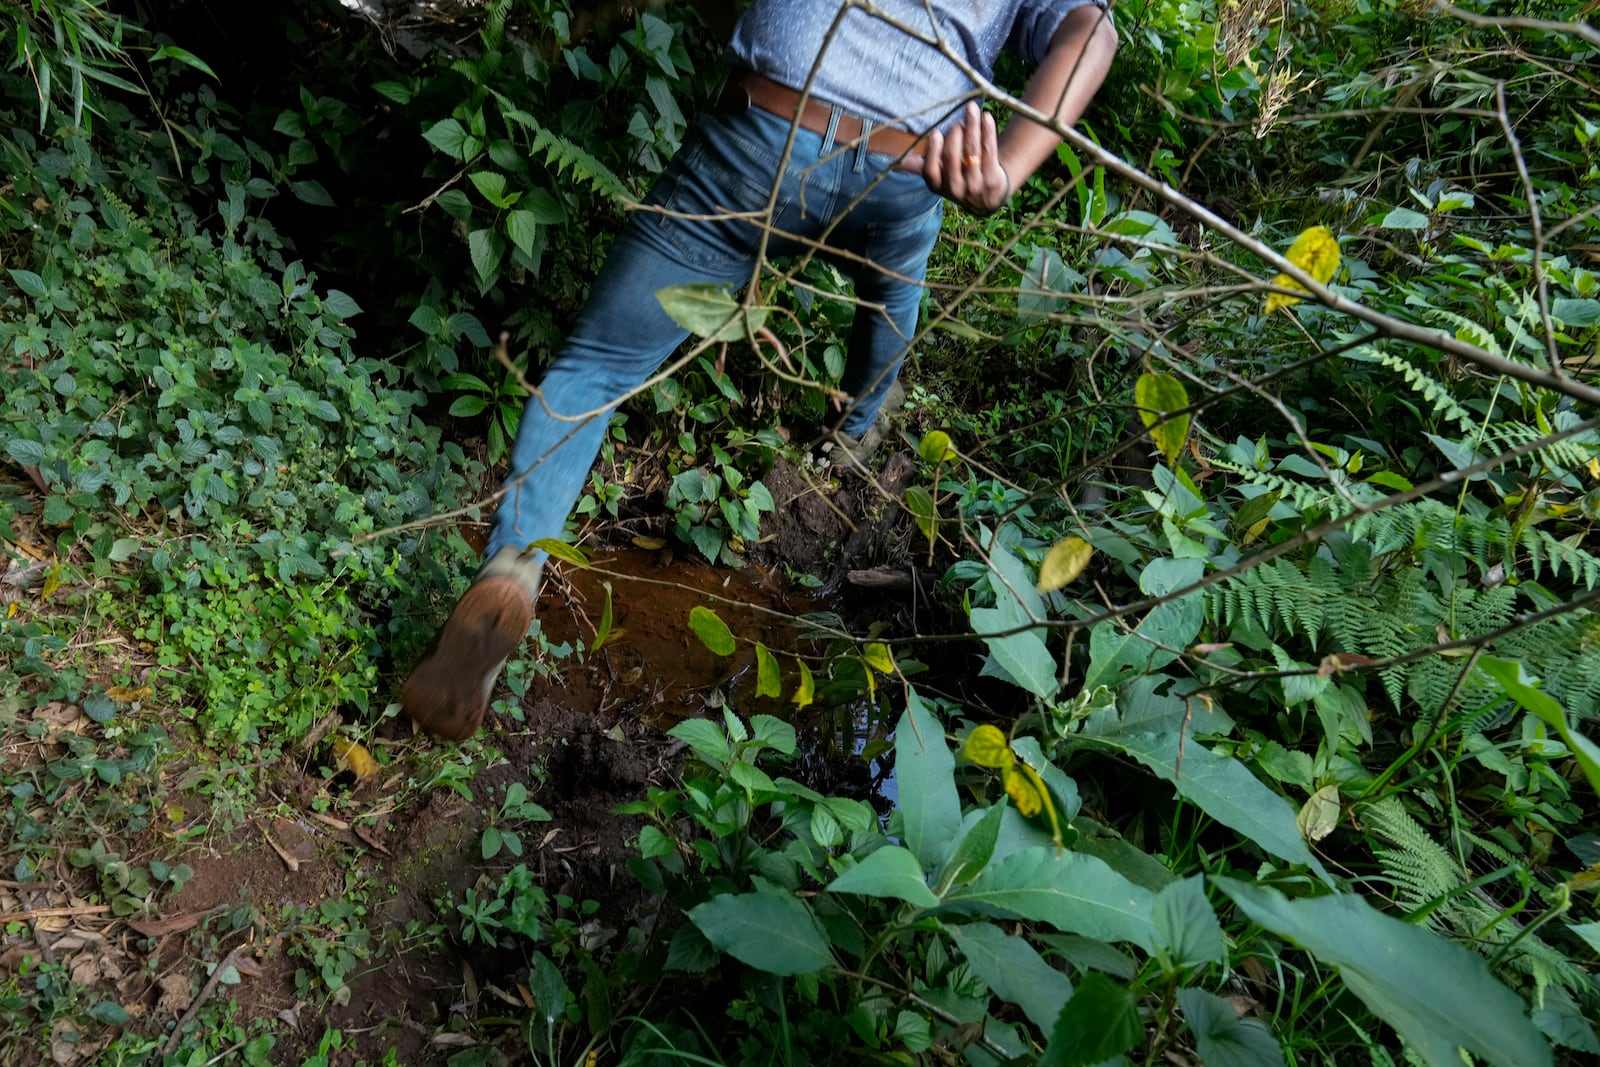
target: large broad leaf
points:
(1438, 995)
(1115, 653)
(1014, 971)
(1222, 1038)
(889, 872)
(1149, 727)
(1076, 894)
(771, 932)
(1186, 926)
(924, 774)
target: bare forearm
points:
(1065, 83)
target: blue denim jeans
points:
(852, 199)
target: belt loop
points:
(833, 131)
(861, 147)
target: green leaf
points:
(26, 452)
(890, 872)
(1222, 1038)
(708, 626)
(1014, 971)
(1186, 926)
(924, 770)
(603, 631)
(1149, 727)
(491, 185)
(29, 282)
(109, 1012)
(1099, 1023)
(706, 738)
(311, 192)
(448, 137)
(1515, 682)
(340, 304)
(774, 733)
(99, 708)
(1439, 996)
(1115, 653)
(709, 310)
(772, 933)
(1403, 218)
(1074, 893)
(768, 684)
(484, 248)
(491, 843)
(523, 229)
(463, 407)
(183, 55)
(544, 207)
(561, 550)
(1156, 395)
(973, 851)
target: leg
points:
(886, 320)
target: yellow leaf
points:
(1320, 814)
(1315, 251)
(767, 683)
(1022, 792)
(936, 447)
(650, 544)
(806, 691)
(128, 693)
(987, 747)
(1156, 396)
(175, 814)
(354, 758)
(52, 582)
(1063, 563)
(878, 658)
(1588, 878)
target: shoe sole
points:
(448, 692)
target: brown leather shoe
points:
(448, 692)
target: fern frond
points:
(1435, 392)
(564, 157)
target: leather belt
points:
(745, 89)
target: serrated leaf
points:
(1186, 926)
(768, 684)
(770, 932)
(1222, 1038)
(523, 229)
(891, 872)
(341, 304)
(705, 738)
(1063, 563)
(447, 136)
(708, 626)
(710, 311)
(1099, 1023)
(491, 185)
(1157, 395)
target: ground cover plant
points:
(1208, 676)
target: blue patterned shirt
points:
(873, 68)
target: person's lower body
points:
(699, 225)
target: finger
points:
(994, 174)
(955, 164)
(912, 164)
(933, 162)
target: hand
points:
(964, 165)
